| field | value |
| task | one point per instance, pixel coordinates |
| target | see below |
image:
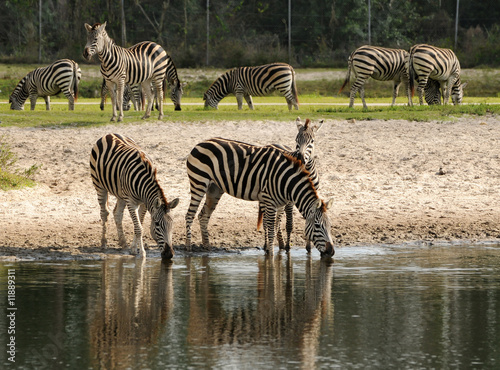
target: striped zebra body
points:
(244, 82)
(255, 173)
(62, 75)
(429, 62)
(127, 96)
(118, 166)
(382, 64)
(143, 63)
(304, 142)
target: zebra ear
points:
(464, 85)
(317, 127)
(319, 203)
(173, 203)
(88, 27)
(329, 203)
(298, 122)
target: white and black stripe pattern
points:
(258, 81)
(430, 62)
(433, 94)
(256, 173)
(62, 75)
(382, 64)
(304, 148)
(127, 96)
(144, 63)
(118, 166)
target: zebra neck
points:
(302, 194)
(171, 73)
(109, 48)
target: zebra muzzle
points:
(167, 252)
(329, 251)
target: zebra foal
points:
(382, 64)
(256, 173)
(144, 63)
(244, 82)
(62, 75)
(118, 166)
(304, 149)
(429, 62)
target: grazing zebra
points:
(118, 166)
(257, 173)
(247, 81)
(381, 64)
(304, 149)
(143, 63)
(62, 75)
(126, 96)
(433, 94)
(429, 62)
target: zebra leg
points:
(289, 224)
(71, 99)
(395, 90)
(269, 223)
(33, 101)
(142, 214)
(214, 194)
(47, 102)
(136, 246)
(146, 89)
(362, 95)
(196, 197)
(102, 198)
(249, 101)
(120, 87)
(239, 100)
(112, 94)
(422, 81)
(279, 234)
(159, 97)
(118, 215)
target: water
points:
(374, 307)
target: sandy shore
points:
(391, 182)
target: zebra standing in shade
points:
(304, 152)
(118, 166)
(429, 62)
(379, 63)
(62, 75)
(247, 81)
(256, 173)
(143, 63)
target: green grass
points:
(11, 178)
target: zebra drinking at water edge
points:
(257, 173)
(143, 63)
(258, 81)
(118, 166)
(62, 75)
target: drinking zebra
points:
(62, 75)
(118, 166)
(256, 173)
(244, 82)
(304, 149)
(382, 64)
(126, 96)
(143, 63)
(429, 62)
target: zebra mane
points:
(95, 26)
(153, 173)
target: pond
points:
(373, 307)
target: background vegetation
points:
(251, 32)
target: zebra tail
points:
(75, 82)
(411, 75)
(348, 76)
(294, 92)
(259, 219)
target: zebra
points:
(143, 63)
(62, 75)
(433, 94)
(118, 166)
(304, 149)
(247, 81)
(258, 173)
(126, 96)
(429, 62)
(382, 64)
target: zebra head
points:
(20, 94)
(176, 91)
(96, 38)
(318, 228)
(210, 100)
(161, 226)
(305, 138)
(457, 92)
